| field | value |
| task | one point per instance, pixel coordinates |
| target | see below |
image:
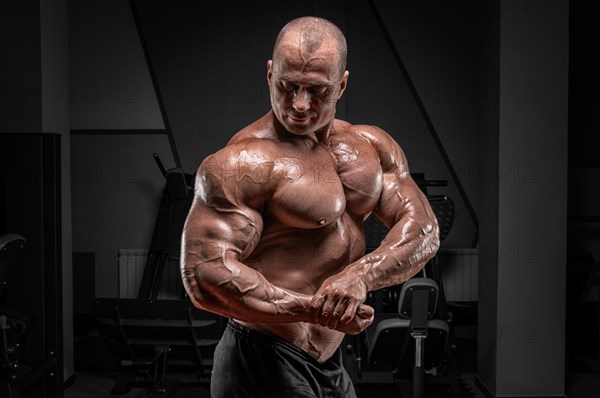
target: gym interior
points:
(109, 106)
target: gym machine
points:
(408, 318)
(166, 238)
(31, 362)
(15, 374)
(157, 337)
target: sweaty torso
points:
(313, 216)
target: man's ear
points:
(269, 71)
(343, 84)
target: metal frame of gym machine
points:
(31, 327)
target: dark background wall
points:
(523, 288)
(211, 70)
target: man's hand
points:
(336, 302)
(363, 318)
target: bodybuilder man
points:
(274, 239)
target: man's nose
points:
(301, 101)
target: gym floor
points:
(97, 371)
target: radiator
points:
(131, 268)
(459, 271)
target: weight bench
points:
(158, 336)
(412, 344)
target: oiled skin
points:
(274, 238)
(255, 248)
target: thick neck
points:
(319, 137)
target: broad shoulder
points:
(244, 170)
(255, 132)
(373, 134)
(242, 163)
(388, 150)
(253, 144)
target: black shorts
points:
(251, 364)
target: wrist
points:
(299, 306)
(359, 272)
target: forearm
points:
(408, 246)
(231, 289)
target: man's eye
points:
(288, 87)
(319, 90)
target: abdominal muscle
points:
(300, 260)
(318, 341)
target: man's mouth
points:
(299, 119)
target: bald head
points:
(313, 33)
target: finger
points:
(314, 311)
(365, 311)
(327, 311)
(339, 310)
(365, 323)
(349, 313)
(368, 321)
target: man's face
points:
(305, 87)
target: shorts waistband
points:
(268, 339)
